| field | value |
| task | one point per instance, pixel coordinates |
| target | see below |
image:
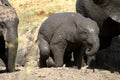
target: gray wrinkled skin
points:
(64, 33)
(109, 58)
(101, 11)
(111, 7)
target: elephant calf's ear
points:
(78, 26)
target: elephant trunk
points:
(12, 44)
(92, 47)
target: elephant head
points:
(89, 35)
(9, 25)
(110, 7)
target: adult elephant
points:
(64, 33)
(108, 58)
(8, 35)
(107, 15)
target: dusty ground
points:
(30, 73)
(61, 73)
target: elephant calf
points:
(8, 36)
(65, 33)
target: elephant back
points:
(88, 9)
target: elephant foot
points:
(75, 67)
(10, 70)
(7, 70)
(42, 62)
(50, 62)
(70, 64)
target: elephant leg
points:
(91, 62)
(79, 57)
(58, 46)
(4, 59)
(50, 62)
(3, 55)
(67, 58)
(44, 51)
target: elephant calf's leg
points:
(57, 55)
(44, 51)
(78, 59)
(67, 58)
(50, 62)
(58, 46)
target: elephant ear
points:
(111, 7)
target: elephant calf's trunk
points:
(91, 49)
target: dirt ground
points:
(61, 73)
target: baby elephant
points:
(63, 34)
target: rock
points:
(28, 52)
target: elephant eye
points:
(84, 35)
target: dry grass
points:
(33, 12)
